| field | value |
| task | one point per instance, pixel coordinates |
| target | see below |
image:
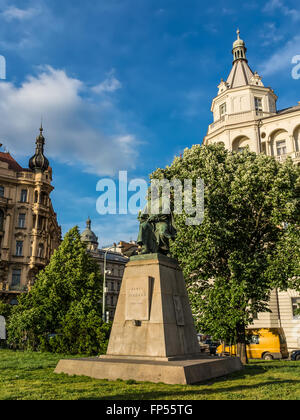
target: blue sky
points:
(127, 85)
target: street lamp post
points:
(104, 282)
(259, 125)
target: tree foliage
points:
(234, 258)
(5, 310)
(62, 311)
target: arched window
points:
(281, 147)
(1, 191)
(24, 196)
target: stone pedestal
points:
(153, 337)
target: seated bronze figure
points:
(155, 233)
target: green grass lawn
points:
(27, 376)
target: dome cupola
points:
(88, 237)
(39, 162)
(239, 48)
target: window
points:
(112, 286)
(13, 302)
(281, 148)
(41, 251)
(24, 196)
(258, 104)
(240, 149)
(223, 110)
(44, 198)
(21, 223)
(36, 196)
(19, 249)
(1, 191)
(112, 301)
(16, 278)
(296, 307)
(253, 339)
(41, 222)
(1, 220)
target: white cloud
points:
(74, 123)
(281, 59)
(24, 29)
(14, 13)
(270, 34)
(274, 5)
(110, 84)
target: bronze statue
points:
(155, 233)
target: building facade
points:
(115, 265)
(245, 114)
(29, 232)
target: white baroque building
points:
(245, 114)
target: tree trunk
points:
(241, 350)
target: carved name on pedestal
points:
(178, 310)
(137, 300)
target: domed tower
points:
(239, 48)
(89, 238)
(240, 105)
(39, 162)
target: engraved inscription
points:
(178, 310)
(137, 300)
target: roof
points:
(89, 236)
(12, 164)
(240, 74)
(290, 109)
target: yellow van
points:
(266, 343)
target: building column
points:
(293, 142)
(269, 149)
(6, 231)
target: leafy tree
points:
(62, 312)
(231, 261)
(5, 310)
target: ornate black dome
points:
(39, 160)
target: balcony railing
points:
(17, 288)
(237, 117)
(293, 155)
(27, 175)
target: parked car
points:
(207, 345)
(295, 355)
(265, 343)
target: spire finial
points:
(239, 48)
(39, 161)
(88, 223)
